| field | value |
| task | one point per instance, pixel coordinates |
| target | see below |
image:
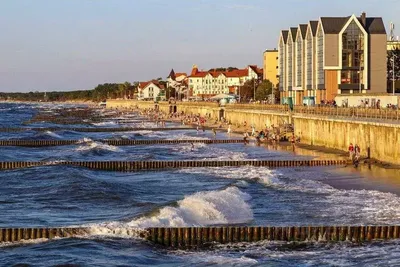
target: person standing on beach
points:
(245, 136)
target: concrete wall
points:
(334, 133)
(377, 63)
(321, 131)
(331, 50)
(259, 119)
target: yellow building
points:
(271, 69)
(392, 45)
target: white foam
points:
(259, 174)
(226, 206)
(106, 123)
(54, 135)
(96, 146)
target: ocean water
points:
(111, 203)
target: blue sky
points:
(50, 45)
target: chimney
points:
(364, 19)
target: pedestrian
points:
(214, 132)
(229, 130)
(245, 136)
(253, 130)
(351, 151)
(293, 139)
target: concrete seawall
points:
(380, 138)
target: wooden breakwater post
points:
(187, 237)
(19, 234)
(45, 143)
(159, 165)
(90, 129)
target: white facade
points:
(150, 91)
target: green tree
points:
(247, 89)
(264, 90)
(170, 92)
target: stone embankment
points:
(376, 132)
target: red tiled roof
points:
(180, 74)
(142, 85)
(199, 74)
(237, 73)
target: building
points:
(393, 45)
(210, 83)
(271, 66)
(178, 81)
(330, 57)
(151, 90)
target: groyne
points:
(129, 166)
(192, 237)
(123, 142)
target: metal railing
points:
(364, 113)
(283, 108)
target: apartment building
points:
(270, 66)
(210, 83)
(332, 56)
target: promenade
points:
(374, 130)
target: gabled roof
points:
(143, 85)
(375, 26)
(172, 75)
(237, 73)
(199, 74)
(294, 33)
(333, 25)
(303, 30)
(314, 26)
(180, 74)
(285, 35)
(256, 69)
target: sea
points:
(113, 203)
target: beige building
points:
(332, 56)
(271, 66)
(393, 45)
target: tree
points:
(247, 89)
(170, 92)
(264, 90)
(393, 55)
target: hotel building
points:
(332, 56)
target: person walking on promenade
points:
(253, 130)
(351, 151)
(214, 133)
(293, 139)
(229, 130)
(357, 152)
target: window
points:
(320, 58)
(282, 52)
(309, 58)
(290, 62)
(299, 60)
(352, 55)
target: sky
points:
(54, 45)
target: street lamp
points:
(254, 88)
(393, 74)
